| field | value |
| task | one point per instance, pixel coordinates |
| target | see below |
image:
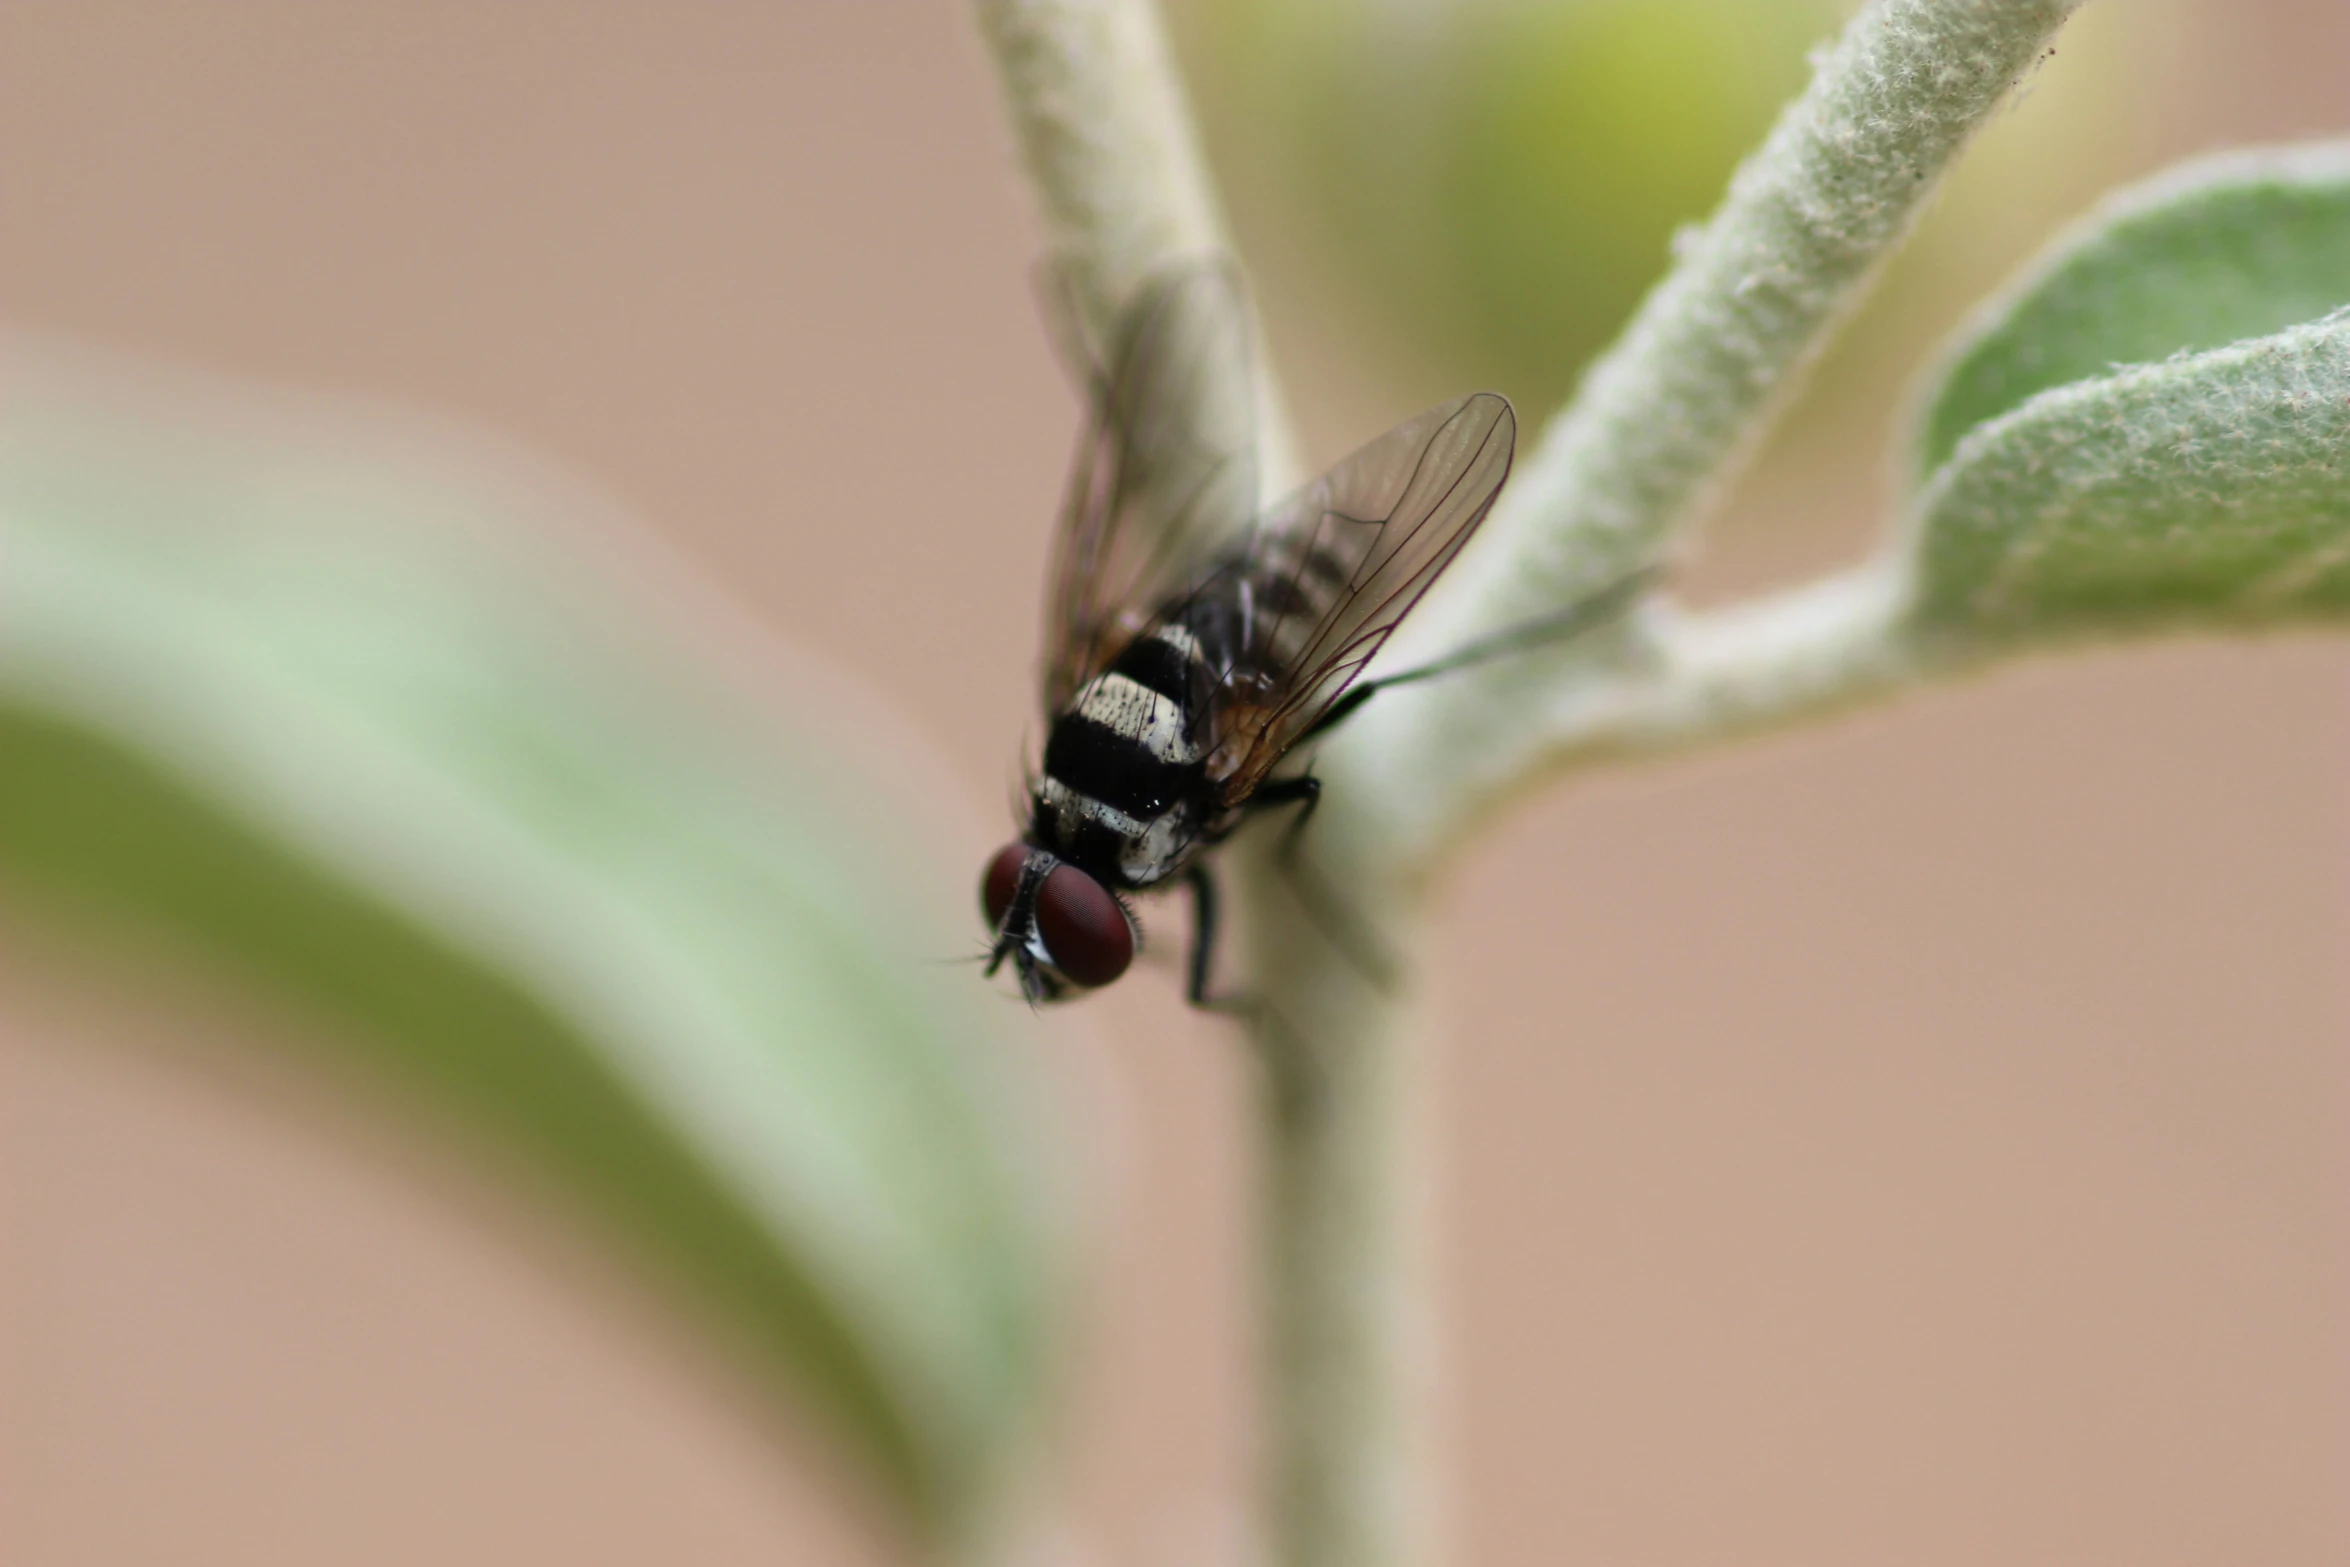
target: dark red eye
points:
(1083, 927)
(1000, 882)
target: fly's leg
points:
(1304, 793)
(1207, 903)
(1328, 912)
(1205, 919)
(1290, 1067)
(1206, 924)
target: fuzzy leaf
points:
(341, 725)
(2211, 253)
(2210, 489)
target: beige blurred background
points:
(1920, 1139)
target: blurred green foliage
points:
(1499, 180)
(369, 730)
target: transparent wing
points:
(1165, 474)
(1305, 603)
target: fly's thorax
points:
(1256, 621)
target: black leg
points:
(1204, 915)
(1328, 913)
(1206, 922)
(1305, 792)
(1292, 1069)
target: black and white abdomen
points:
(1120, 796)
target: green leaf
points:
(2207, 254)
(343, 723)
(2212, 490)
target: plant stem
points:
(1660, 422)
(1345, 1356)
(1109, 145)
(1668, 414)
(1098, 110)
(1828, 644)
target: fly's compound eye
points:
(1001, 881)
(1083, 927)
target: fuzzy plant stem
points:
(1098, 111)
(1667, 416)
(1658, 426)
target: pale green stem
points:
(1659, 424)
(1666, 417)
(1831, 643)
(1123, 190)
(1108, 142)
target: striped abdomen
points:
(1257, 617)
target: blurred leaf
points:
(342, 725)
(1579, 138)
(1501, 178)
(2209, 489)
(2206, 255)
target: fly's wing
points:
(1165, 474)
(1303, 606)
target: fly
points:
(1191, 642)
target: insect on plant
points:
(1192, 644)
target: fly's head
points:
(1064, 932)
